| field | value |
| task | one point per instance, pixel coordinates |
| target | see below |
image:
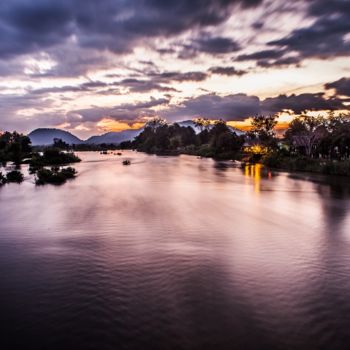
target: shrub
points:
(14, 176)
(53, 156)
(54, 175)
(2, 179)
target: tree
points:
(202, 123)
(2, 179)
(263, 130)
(60, 144)
(223, 140)
(156, 122)
(339, 136)
(14, 147)
(306, 133)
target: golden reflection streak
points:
(254, 171)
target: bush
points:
(306, 164)
(54, 176)
(53, 156)
(337, 168)
(2, 179)
(69, 172)
(14, 176)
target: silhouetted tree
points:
(263, 130)
(14, 147)
(306, 133)
(60, 144)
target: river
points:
(175, 253)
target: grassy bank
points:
(305, 164)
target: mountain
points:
(114, 137)
(197, 129)
(43, 137)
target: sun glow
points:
(107, 124)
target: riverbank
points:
(304, 164)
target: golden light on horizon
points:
(108, 124)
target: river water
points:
(175, 253)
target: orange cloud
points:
(107, 124)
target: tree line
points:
(159, 137)
(310, 143)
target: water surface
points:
(175, 253)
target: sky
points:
(92, 66)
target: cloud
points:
(215, 45)
(212, 106)
(341, 86)
(270, 58)
(167, 77)
(124, 112)
(28, 26)
(241, 106)
(325, 37)
(140, 86)
(227, 71)
(301, 103)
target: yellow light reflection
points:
(253, 171)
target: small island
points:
(46, 165)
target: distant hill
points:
(43, 137)
(114, 137)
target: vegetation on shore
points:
(313, 144)
(310, 144)
(14, 176)
(16, 148)
(55, 175)
(215, 141)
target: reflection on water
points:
(256, 172)
(175, 253)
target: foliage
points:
(263, 130)
(60, 144)
(53, 156)
(2, 179)
(202, 123)
(218, 142)
(55, 175)
(14, 147)
(305, 133)
(317, 137)
(14, 176)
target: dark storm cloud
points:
(242, 106)
(270, 58)
(160, 81)
(261, 55)
(167, 77)
(140, 86)
(341, 86)
(215, 45)
(88, 86)
(325, 37)
(127, 111)
(301, 103)
(227, 71)
(212, 106)
(26, 26)
(116, 25)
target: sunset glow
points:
(224, 60)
